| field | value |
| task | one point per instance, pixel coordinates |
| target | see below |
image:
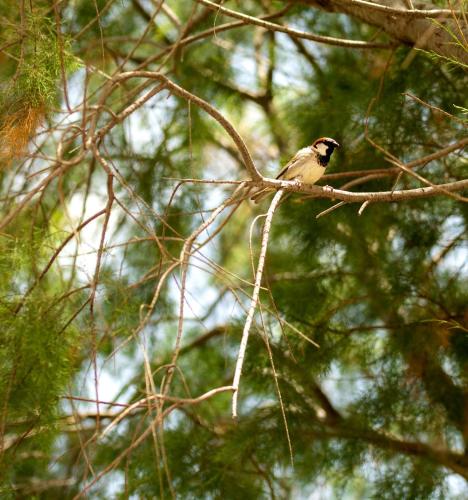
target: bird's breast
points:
(312, 171)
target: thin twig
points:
(363, 207)
(415, 13)
(185, 94)
(330, 209)
(254, 301)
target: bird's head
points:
(325, 147)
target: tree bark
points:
(408, 27)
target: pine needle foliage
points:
(38, 355)
(37, 59)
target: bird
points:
(306, 166)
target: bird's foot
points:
(328, 189)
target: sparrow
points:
(306, 166)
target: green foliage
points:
(38, 356)
(39, 58)
(377, 411)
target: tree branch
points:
(328, 40)
(337, 194)
(185, 94)
(412, 27)
(253, 302)
(454, 461)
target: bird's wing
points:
(295, 161)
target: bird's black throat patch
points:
(324, 159)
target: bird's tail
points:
(243, 192)
(260, 195)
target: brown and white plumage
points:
(306, 166)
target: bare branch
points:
(254, 301)
(185, 94)
(328, 40)
(434, 13)
(384, 196)
(411, 27)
